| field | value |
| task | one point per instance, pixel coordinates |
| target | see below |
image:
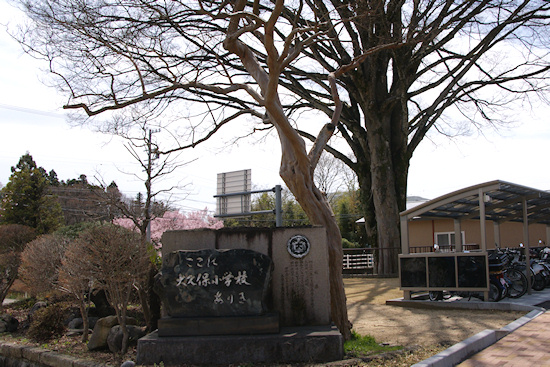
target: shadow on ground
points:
(413, 326)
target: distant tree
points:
(27, 198)
(82, 201)
(75, 279)
(117, 262)
(40, 263)
(330, 176)
(346, 209)
(13, 238)
(140, 143)
(174, 220)
(293, 214)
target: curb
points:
(34, 356)
(470, 305)
(466, 348)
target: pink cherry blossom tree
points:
(174, 220)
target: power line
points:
(32, 111)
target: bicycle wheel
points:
(517, 283)
(539, 283)
(495, 293)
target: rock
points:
(102, 306)
(77, 323)
(114, 339)
(8, 323)
(37, 306)
(98, 339)
(72, 313)
(214, 283)
(128, 364)
(75, 332)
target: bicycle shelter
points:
(496, 201)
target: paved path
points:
(526, 344)
(529, 345)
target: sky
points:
(31, 120)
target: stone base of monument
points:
(233, 325)
(291, 345)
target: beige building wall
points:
(421, 232)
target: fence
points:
(358, 261)
(362, 261)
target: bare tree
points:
(115, 259)
(40, 263)
(231, 26)
(398, 66)
(75, 280)
(153, 168)
(13, 239)
(332, 176)
(145, 208)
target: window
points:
(447, 238)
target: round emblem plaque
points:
(298, 246)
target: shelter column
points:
(483, 230)
(404, 235)
(458, 236)
(405, 250)
(526, 240)
(496, 228)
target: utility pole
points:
(148, 184)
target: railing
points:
(442, 248)
(362, 261)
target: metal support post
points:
(278, 206)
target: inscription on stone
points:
(297, 292)
(214, 283)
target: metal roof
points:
(503, 202)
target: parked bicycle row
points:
(508, 274)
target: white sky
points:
(31, 120)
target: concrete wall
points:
(18, 355)
(300, 286)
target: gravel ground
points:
(369, 314)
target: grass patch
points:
(359, 346)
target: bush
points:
(47, 323)
(40, 262)
(13, 238)
(348, 244)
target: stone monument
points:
(215, 292)
(243, 296)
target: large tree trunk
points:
(367, 205)
(384, 188)
(385, 204)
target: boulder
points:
(77, 323)
(102, 306)
(114, 339)
(37, 306)
(98, 339)
(8, 323)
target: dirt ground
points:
(397, 325)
